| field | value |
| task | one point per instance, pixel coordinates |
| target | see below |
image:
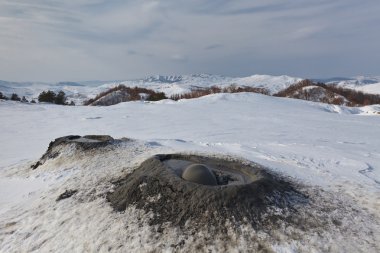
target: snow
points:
(323, 146)
(15, 190)
(364, 84)
(307, 88)
(373, 88)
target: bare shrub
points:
(15, 97)
(3, 96)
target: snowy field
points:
(336, 149)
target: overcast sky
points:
(55, 40)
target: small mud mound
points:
(86, 142)
(244, 193)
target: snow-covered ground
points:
(328, 147)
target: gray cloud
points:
(213, 46)
(98, 39)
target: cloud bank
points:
(51, 40)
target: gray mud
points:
(245, 194)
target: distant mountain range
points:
(178, 84)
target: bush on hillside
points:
(157, 96)
(15, 97)
(60, 98)
(47, 96)
(3, 96)
(50, 97)
(24, 100)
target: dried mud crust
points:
(259, 198)
(84, 143)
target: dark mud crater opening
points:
(242, 193)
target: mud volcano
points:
(84, 143)
(170, 187)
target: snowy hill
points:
(329, 94)
(369, 85)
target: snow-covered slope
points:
(322, 146)
(369, 85)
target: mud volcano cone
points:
(84, 143)
(205, 190)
